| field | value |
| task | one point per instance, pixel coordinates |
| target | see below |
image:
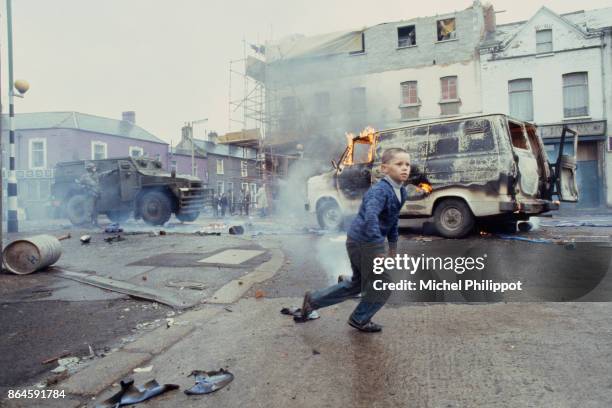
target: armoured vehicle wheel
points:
(329, 216)
(155, 208)
(453, 218)
(79, 208)
(118, 216)
(188, 217)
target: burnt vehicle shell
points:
(488, 169)
(137, 187)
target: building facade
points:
(319, 88)
(46, 138)
(554, 70)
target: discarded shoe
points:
(209, 381)
(130, 394)
(298, 317)
(236, 230)
(369, 327)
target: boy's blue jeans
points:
(361, 256)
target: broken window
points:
(518, 136)
(444, 139)
(575, 95)
(446, 29)
(477, 136)
(361, 153)
(544, 41)
(521, 98)
(406, 36)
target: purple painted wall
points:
(72, 144)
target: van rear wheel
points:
(453, 218)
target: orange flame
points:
(366, 136)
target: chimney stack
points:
(129, 116)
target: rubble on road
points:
(209, 381)
(66, 364)
(131, 394)
(116, 238)
(85, 239)
(143, 369)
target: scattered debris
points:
(63, 237)
(153, 234)
(236, 230)
(166, 297)
(204, 233)
(259, 294)
(209, 381)
(315, 352)
(92, 355)
(577, 224)
(162, 232)
(296, 312)
(169, 322)
(143, 369)
(54, 359)
(85, 239)
(170, 314)
(65, 364)
(227, 308)
(116, 238)
(186, 285)
(519, 238)
(55, 379)
(131, 394)
(113, 228)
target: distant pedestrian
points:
(262, 201)
(224, 202)
(246, 201)
(215, 205)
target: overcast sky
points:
(169, 60)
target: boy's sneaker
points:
(369, 327)
(306, 305)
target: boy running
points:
(376, 220)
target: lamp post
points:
(22, 87)
(193, 171)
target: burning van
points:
(483, 169)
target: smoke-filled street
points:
(227, 314)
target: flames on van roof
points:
(367, 136)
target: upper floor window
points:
(446, 29)
(38, 153)
(98, 150)
(244, 169)
(575, 95)
(406, 36)
(409, 93)
(219, 166)
(449, 88)
(520, 96)
(544, 41)
(136, 151)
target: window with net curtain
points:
(521, 98)
(575, 95)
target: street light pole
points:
(12, 221)
(193, 171)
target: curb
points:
(101, 374)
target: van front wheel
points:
(453, 218)
(329, 216)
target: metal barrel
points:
(28, 255)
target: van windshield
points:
(518, 136)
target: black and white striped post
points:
(12, 224)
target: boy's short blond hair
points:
(389, 154)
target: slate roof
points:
(80, 121)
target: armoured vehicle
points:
(137, 187)
(489, 169)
